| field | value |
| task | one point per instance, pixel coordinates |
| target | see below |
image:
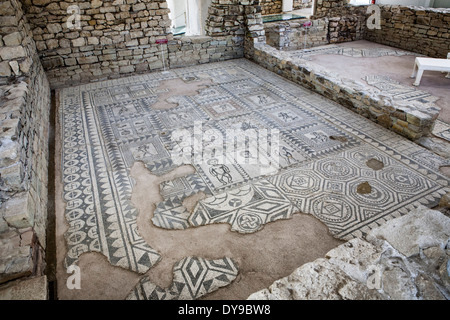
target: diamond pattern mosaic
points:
(192, 278)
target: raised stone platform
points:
(406, 111)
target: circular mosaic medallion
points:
(249, 222)
(332, 209)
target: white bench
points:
(430, 64)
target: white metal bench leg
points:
(414, 73)
(418, 77)
(448, 74)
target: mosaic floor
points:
(351, 52)
(321, 162)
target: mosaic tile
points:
(192, 278)
(442, 130)
(321, 156)
(97, 199)
(351, 52)
(399, 91)
(246, 209)
(328, 189)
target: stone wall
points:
(271, 6)
(114, 37)
(346, 28)
(290, 35)
(417, 29)
(25, 107)
(331, 8)
(186, 51)
(254, 32)
(302, 4)
(425, 31)
(117, 37)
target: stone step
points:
(26, 289)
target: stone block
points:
(11, 53)
(126, 69)
(9, 152)
(5, 70)
(15, 261)
(318, 280)
(18, 211)
(11, 177)
(6, 9)
(13, 39)
(420, 228)
(54, 28)
(79, 42)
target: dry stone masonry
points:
(426, 31)
(25, 106)
(293, 35)
(118, 37)
(302, 4)
(271, 6)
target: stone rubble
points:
(408, 258)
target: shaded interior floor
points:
(262, 256)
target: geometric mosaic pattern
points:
(108, 126)
(97, 192)
(441, 130)
(398, 91)
(192, 278)
(351, 52)
(246, 208)
(328, 189)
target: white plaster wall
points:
(287, 5)
(205, 4)
(441, 4)
(177, 8)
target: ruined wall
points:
(425, 31)
(24, 117)
(301, 4)
(271, 6)
(113, 37)
(254, 32)
(330, 8)
(417, 29)
(347, 22)
(117, 37)
(346, 28)
(290, 35)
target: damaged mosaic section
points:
(192, 278)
